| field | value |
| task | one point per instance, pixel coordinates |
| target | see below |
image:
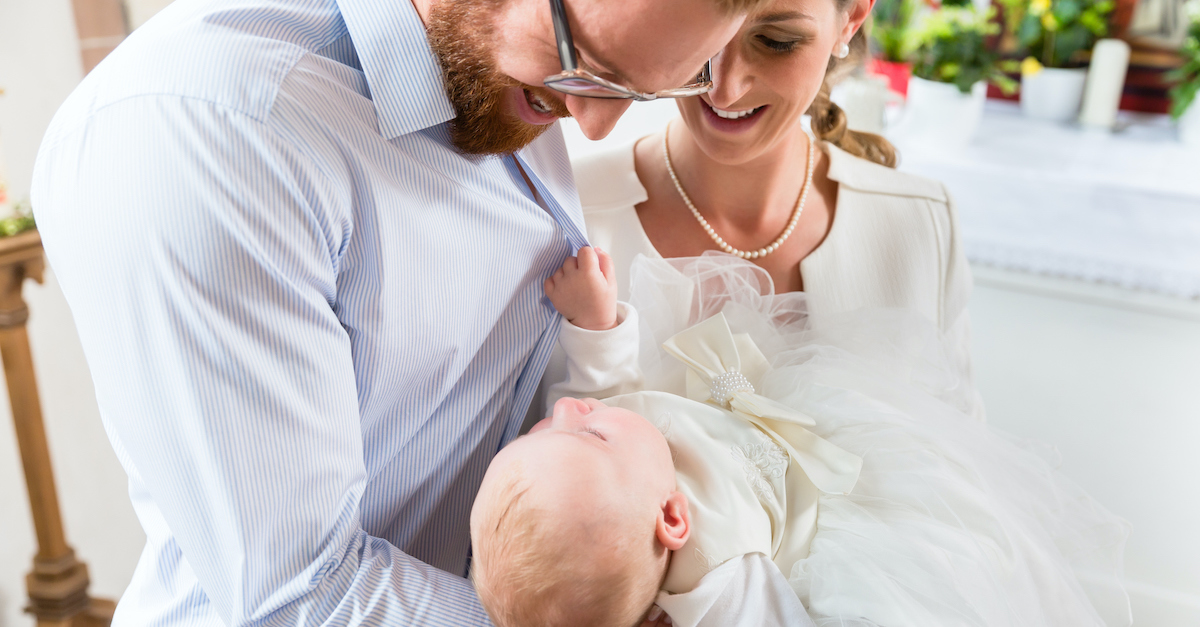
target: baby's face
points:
(588, 456)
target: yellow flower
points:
(1030, 66)
(1038, 7)
(1049, 22)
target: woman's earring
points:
(843, 51)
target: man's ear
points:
(674, 522)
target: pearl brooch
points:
(726, 384)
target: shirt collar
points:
(403, 73)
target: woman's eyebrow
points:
(784, 16)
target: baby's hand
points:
(584, 290)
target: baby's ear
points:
(674, 523)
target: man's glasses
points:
(577, 82)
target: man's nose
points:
(596, 116)
(731, 80)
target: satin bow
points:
(721, 368)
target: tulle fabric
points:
(952, 522)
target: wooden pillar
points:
(101, 26)
(58, 583)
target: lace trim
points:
(762, 462)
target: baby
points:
(575, 521)
(596, 515)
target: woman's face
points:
(767, 77)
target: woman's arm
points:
(955, 316)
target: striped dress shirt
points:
(311, 323)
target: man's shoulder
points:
(232, 55)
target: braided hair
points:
(829, 121)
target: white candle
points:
(5, 200)
(1105, 81)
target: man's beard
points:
(458, 30)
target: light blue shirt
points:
(311, 323)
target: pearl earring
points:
(843, 51)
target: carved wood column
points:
(58, 583)
(101, 26)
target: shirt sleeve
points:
(199, 253)
(956, 318)
(599, 364)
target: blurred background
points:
(1069, 134)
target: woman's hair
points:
(828, 119)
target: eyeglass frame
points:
(571, 71)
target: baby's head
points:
(574, 523)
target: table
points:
(1121, 208)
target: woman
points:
(860, 234)
(851, 277)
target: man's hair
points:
(529, 573)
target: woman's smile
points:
(731, 121)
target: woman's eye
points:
(777, 45)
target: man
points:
(306, 272)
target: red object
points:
(896, 73)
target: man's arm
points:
(199, 254)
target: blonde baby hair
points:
(529, 570)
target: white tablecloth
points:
(1120, 208)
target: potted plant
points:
(952, 65)
(891, 42)
(1184, 95)
(1056, 35)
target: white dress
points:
(950, 522)
(894, 242)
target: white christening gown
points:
(949, 523)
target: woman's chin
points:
(733, 149)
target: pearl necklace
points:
(744, 254)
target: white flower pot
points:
(1053, 93)
(939, 117)
(1189, 125)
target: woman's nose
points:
(596, 116)
(731, 78)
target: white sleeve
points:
(599, 364)
(956, 319)
(746, 590)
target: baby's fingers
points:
(606, 265)
(569, 264)
(656, 618)
(587, 258)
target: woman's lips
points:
(530, 107)
(737, 122)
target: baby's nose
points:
(568, 407)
